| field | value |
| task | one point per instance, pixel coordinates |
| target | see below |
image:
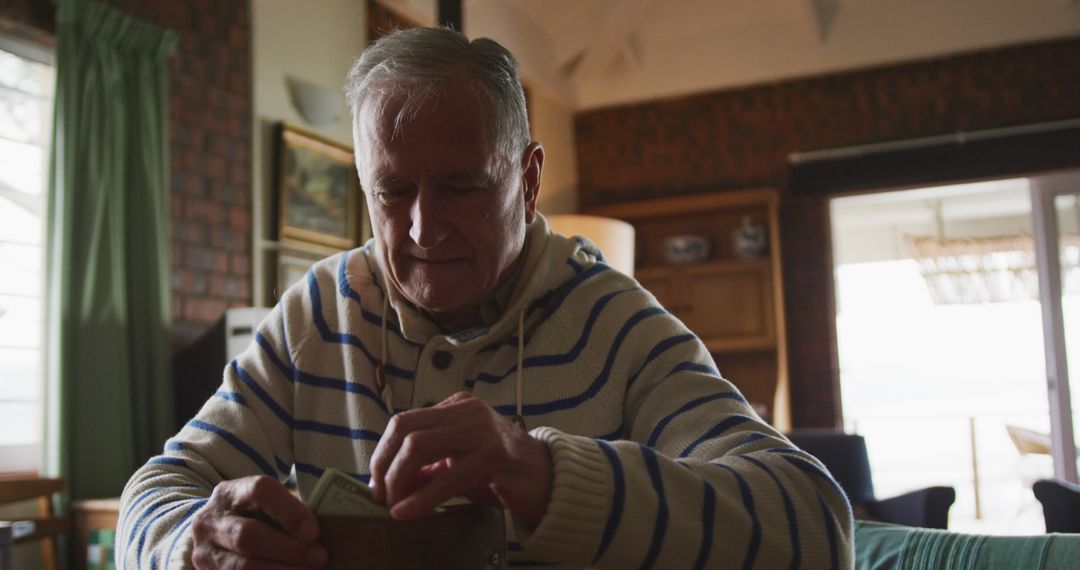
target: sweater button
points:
(441, 359)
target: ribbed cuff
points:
(580, 499)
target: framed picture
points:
(292, 267)
(319, 192)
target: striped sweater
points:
(659, 462)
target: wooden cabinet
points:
(733, 303)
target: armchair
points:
(1061, 504)
(845, 456)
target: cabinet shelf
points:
(734, 304)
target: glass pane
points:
(20, 423)
(20, 221)
(23, 75)
(22, 117)
(20, 322)
(21, 166)
(936, 366)
(20, 374)
(1067, 211)
(20, 269)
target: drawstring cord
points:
(387, 393)
(519, 417)
(381, 384)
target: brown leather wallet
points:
(462, 537)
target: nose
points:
(429, 226)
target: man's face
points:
(448, 209)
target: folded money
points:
(338, 493)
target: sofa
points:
(883, 546)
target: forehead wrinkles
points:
(387, 112)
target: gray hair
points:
(418, 62)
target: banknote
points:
(338, 493)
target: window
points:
(940, 343)
(26, 90)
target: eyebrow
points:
(386, 181)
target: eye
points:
(391, 195)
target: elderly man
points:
(467, 351)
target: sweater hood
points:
(549, 262)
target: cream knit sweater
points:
(659, 461)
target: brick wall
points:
(210, 146)
(210, 138)
(742, 137)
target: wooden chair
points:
(46, 525)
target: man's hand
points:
(255, 522)
(460, 447)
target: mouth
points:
(438, 261)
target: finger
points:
(216, 557)
(270, 497)
(456, 397)
(465, 476)
(253, 538)
(422, 448)
(400, 426)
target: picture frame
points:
(319, 199)
(292, 266)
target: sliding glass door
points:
(1056, 212)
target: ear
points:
(532, 165)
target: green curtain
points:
(108, 384)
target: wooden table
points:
(90, 515)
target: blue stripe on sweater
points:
(173, 446)
(601, 378)
(343, 385)
(554, 359)
(305, 378)
(708, 519)
(830, 530)
(695, 367)
(266, 398)
(310, 425)
(308, 469)
(574, 265)
(341, 431)
(686, 408)
(134, 508)
(230, 396)
(142, 535)
(572, 284)
(285, 345)
(138, 522)
(315, 471)
(661, 507)
(345, 338)
(617, 434)
(716, 431)
(618, 496)
(812, 469)
(286, 370)
(657, 350)
(347, 291)
(237, 444)
(166, 460)
(181, 526)
(789, 510)
(755, 524)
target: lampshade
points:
(615, 238)
(318, 104)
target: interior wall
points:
(552, 123)
(742, 138)
(285, 35)
(209, 146)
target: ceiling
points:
(596, 53)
